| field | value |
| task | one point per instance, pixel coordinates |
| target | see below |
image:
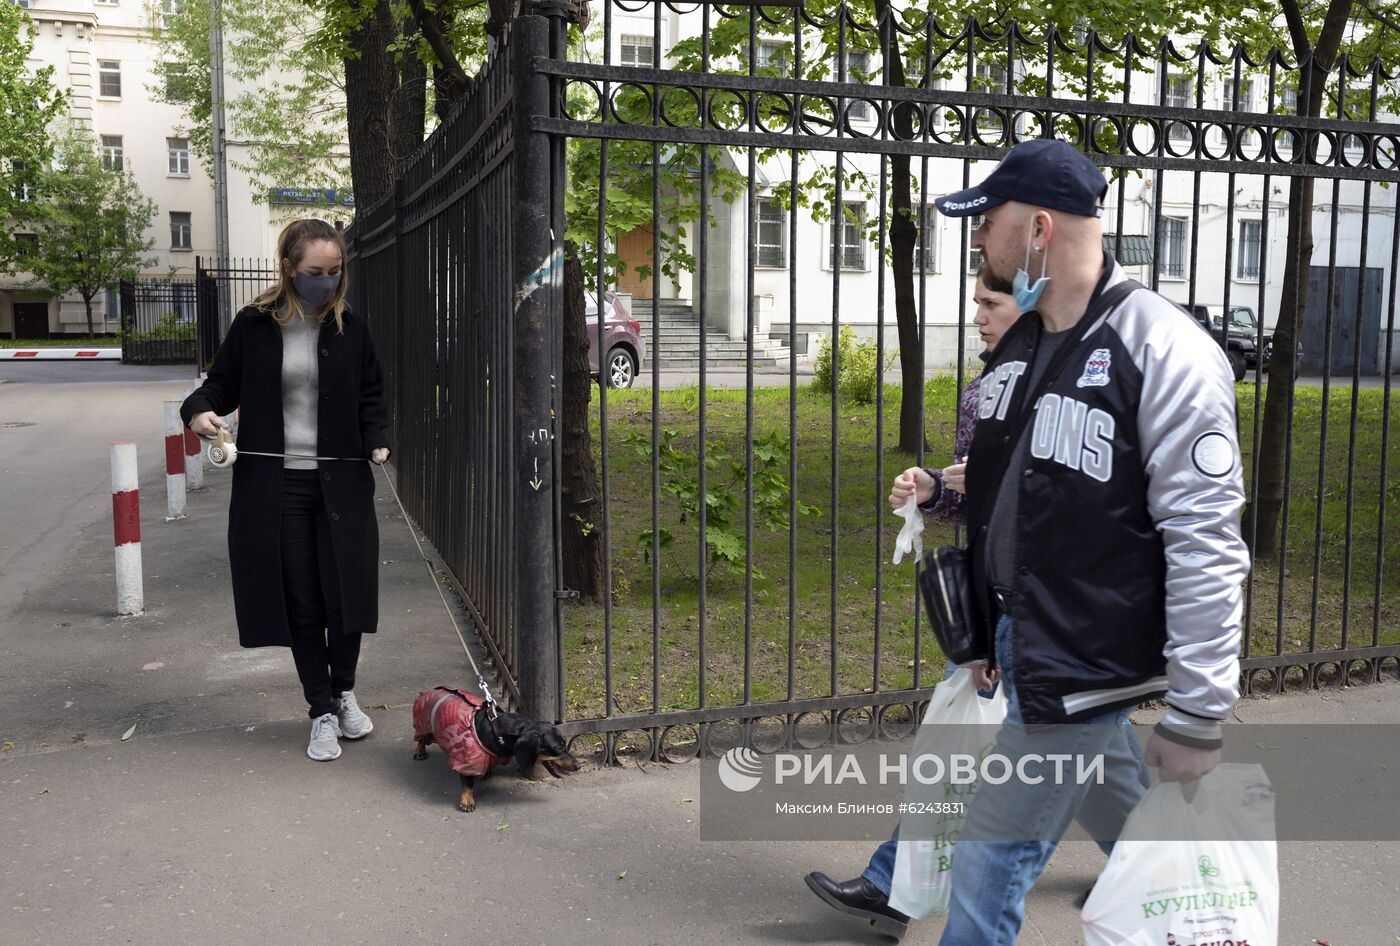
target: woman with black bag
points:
(303, 540)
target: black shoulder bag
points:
(946, 579)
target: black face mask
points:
(315, 291)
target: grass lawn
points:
(832, 631)
(77, 341)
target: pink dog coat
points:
(447, 718)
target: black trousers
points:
(325, 659)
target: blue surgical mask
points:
(1028, 295)
(315, 291)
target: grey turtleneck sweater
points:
(300, 375)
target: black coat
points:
(351, 421)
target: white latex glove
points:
(911, 536)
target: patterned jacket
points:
(448, 716)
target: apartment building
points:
(105, 58)
(1222, 240)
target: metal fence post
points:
(536, 278)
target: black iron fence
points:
(763, 178)
(455, 273)
(221, 289)
(158, 321)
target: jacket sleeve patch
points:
(1212, 455)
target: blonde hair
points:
(281, 300)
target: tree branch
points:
(453, 81)
(1297, 29)
(1381, 18)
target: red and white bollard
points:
(174, 462)
(126, 528)
(194, 459)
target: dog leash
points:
(223, 453)
(437, 583)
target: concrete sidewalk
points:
(210, 824)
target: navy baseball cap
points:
(1044, 172)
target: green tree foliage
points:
(29, 103)
(92, 222)
(293, 105)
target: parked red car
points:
(623, 337)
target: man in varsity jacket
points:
(1104, 493)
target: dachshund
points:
(463, 725)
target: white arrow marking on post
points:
(537, 483)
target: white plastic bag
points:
(911, 536)
(958, 720)
(1197, 890)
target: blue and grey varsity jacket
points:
(1129, 556)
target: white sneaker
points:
(325, 739)
(354, 724)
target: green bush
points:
(862, 372)
(861, 369)
(169, 328)
(821, 380)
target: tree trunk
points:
(411, 102)
(578, 487)
(904, 237)
(87, 304)
(1262, 516)
(370, 80)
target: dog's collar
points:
(490, 739)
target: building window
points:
(179, 151)
(1173, 248)
(772, 234)
(179, 230)
(991, 77)
(1177, 94)
(773, 57)
(1243, 101)
(1246, 96)
(1250, 249)
(974, 257)
(169, 9)
(26, 245)
(107, 3)
(857, 73)
(1288, 101)
(177, 83)
(23, 191)
(926, 250)
(112, 152)
(638, 51)
(109, 78)
(848, 238)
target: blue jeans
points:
(991, 877)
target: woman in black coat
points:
(303, 541)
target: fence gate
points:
(158, 322)
(220, 291)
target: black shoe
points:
(862, 899)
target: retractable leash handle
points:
(221, 449)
